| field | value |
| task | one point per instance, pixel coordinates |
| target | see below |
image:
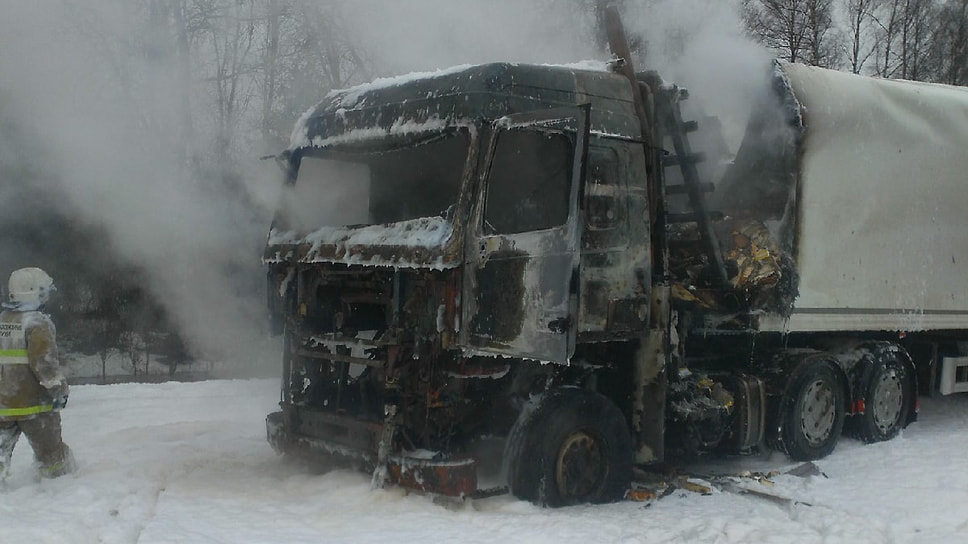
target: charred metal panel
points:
(535, 270)
(457, 478)
(615, 262)
(526, 234)
(650, 376)
(501, 297)
(456, 96)
(355, 435)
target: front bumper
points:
(357, 442)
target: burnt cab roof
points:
(464, 95)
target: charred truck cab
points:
(508, 275)
(496, 253)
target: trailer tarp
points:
(882, 231)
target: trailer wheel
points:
(887, 401)
(571, 446)
(812, 412)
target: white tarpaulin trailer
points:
(881, 236)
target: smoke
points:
(431, 34)
(105, 116)
(101, 117)
(710, 55)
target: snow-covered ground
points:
(189, 463)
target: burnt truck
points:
(519, 277)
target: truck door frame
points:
(521, 289)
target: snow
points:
(349, 98)
(190, 463)
(426, 233)
(399, 127)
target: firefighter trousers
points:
(44, 435)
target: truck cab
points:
(445, 241)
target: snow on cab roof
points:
(349, 98)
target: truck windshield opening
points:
(376, 184)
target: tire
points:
(812, 411)
(887, 392)
(571, 446)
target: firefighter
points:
(32, 389)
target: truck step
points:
(954, 375)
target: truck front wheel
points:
(570, 446)
(812, 411)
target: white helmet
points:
(29, 286)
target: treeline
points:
(923, 40)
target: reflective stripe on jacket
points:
(13, 357)
(13, 344)
(26, 412)
(29, 370)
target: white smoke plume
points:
(110, 151)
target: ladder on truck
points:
(648, 88)
(669, 117)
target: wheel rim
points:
(581, 466)
(888, 400)
(818, 413)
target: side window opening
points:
(606, 201)
(530, 180)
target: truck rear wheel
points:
(887, 398)
(571, 446)
(812, 411)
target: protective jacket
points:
(29, 377)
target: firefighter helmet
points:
(29, 286)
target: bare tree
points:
(861, 33)
(797, 30)
(231, 34)
(308, 50)
(183, 79)
(948, 53)
(821, 43)
(907, 29)
(270, 57)
(915, 38)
